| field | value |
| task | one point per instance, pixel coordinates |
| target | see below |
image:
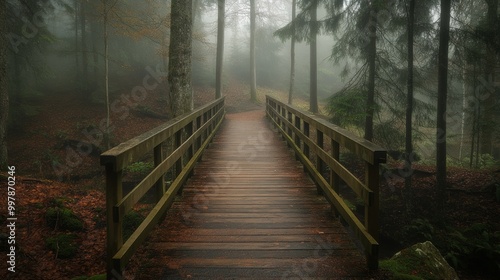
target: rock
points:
(421, 261)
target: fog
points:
(63, 56)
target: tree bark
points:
(444, 38)
(292, 55)
(253, 71)
(85, 63)
(488, 122)
(409, 106)
(220, 47)
(372, 56)
(180, 49)
(107, 136)
(77, 49)
(313, 80)
(4, 94)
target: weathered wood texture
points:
(250, 212)
(191, 133)
(310, 151)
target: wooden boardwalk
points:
(250, 212)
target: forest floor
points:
(54, 169)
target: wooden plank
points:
(369, 243)
(240, 214)
(121, 258)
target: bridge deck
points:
(250, 211)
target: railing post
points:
(114, 232)
(334, 178)
(158, 159)
(290, 120)
(205, 133)
(372, 178)
(319, 162)
(283, 123)
(190, 152)
(297, 137)
(306, 133)
(198, 140)
(177, 144)
(305, 148)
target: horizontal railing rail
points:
(188, 135)
(295, 126)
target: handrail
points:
(189, 134)
(295, 125)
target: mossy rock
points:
(420, 261)
(63, 245)
(63, 219)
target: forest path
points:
(250, 212)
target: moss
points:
(422, 261)
(98, 277)
(63, 219)
(398, 270)
(63, 245)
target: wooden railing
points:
(295, 126)
(189, 135)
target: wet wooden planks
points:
(249, 212)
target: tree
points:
(409, 102)
(371, 60)
(313, 81)
(292, 54)
(305, 27)
(221, 6)
(253, 71)
(83, 41)
(180, 49)
(106, 11)
(491, 39)
(444, 38)
(4, 95)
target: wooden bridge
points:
(249, 210)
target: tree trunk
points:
(409, 107)
(313, 83)
(372, 56)
(94, 27)
(444, 38)
(253, 71)
(107, 135)
(77, 49)
(4, 94)
(85, 64)
(292, 55)
(220, 47)
(179, 66)
(488, 121)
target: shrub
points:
(419, 230)
(63, 219)
(140, 168)
(63, 245)
(475, 248)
